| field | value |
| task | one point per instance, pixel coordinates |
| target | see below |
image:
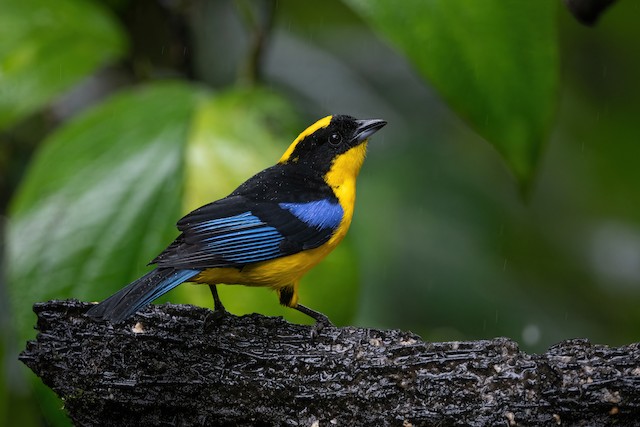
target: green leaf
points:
(46, 47)
(494, 61)
(99, 200)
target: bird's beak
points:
(366, 128)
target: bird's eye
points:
(335, 138)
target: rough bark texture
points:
(182, 365)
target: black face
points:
(318, 150)
(299, 177)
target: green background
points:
(500, 200)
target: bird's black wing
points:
(266, 218)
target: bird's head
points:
(332, 143)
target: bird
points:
(269, 231)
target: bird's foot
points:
(322, 321)
(219, 313)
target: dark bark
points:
(182, 365)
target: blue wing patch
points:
(241, 239)
(321, 214)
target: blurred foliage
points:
(494, 62)
(47, 47)
(109, 154)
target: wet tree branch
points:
(182, 365)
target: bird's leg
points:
(289, 298)
(321, 319)
(217, 303)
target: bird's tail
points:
(139, 293)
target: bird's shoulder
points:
(285, 183)
(279, 196)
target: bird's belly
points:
(275, 273)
